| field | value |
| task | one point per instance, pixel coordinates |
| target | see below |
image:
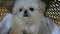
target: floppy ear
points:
(43, 1)
(42, 5)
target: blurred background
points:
(52, 9)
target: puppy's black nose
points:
(25, 11)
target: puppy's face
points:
(27, 9)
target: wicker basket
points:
(53, 11)
(3, 12)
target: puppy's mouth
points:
(26, 15)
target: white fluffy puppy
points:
(28, 18)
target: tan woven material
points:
(53, 11)
(3, 12)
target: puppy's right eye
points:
(20, 10)
(31, 9)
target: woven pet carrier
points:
(53, 11)
(3, 12)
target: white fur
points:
(36, 22)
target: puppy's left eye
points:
(20, 10)
(31, 9)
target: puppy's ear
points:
(43, 1)
(14, 10)
(42, 5)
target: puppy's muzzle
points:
(26, 13)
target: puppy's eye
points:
(20, 10)
(31, 9)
